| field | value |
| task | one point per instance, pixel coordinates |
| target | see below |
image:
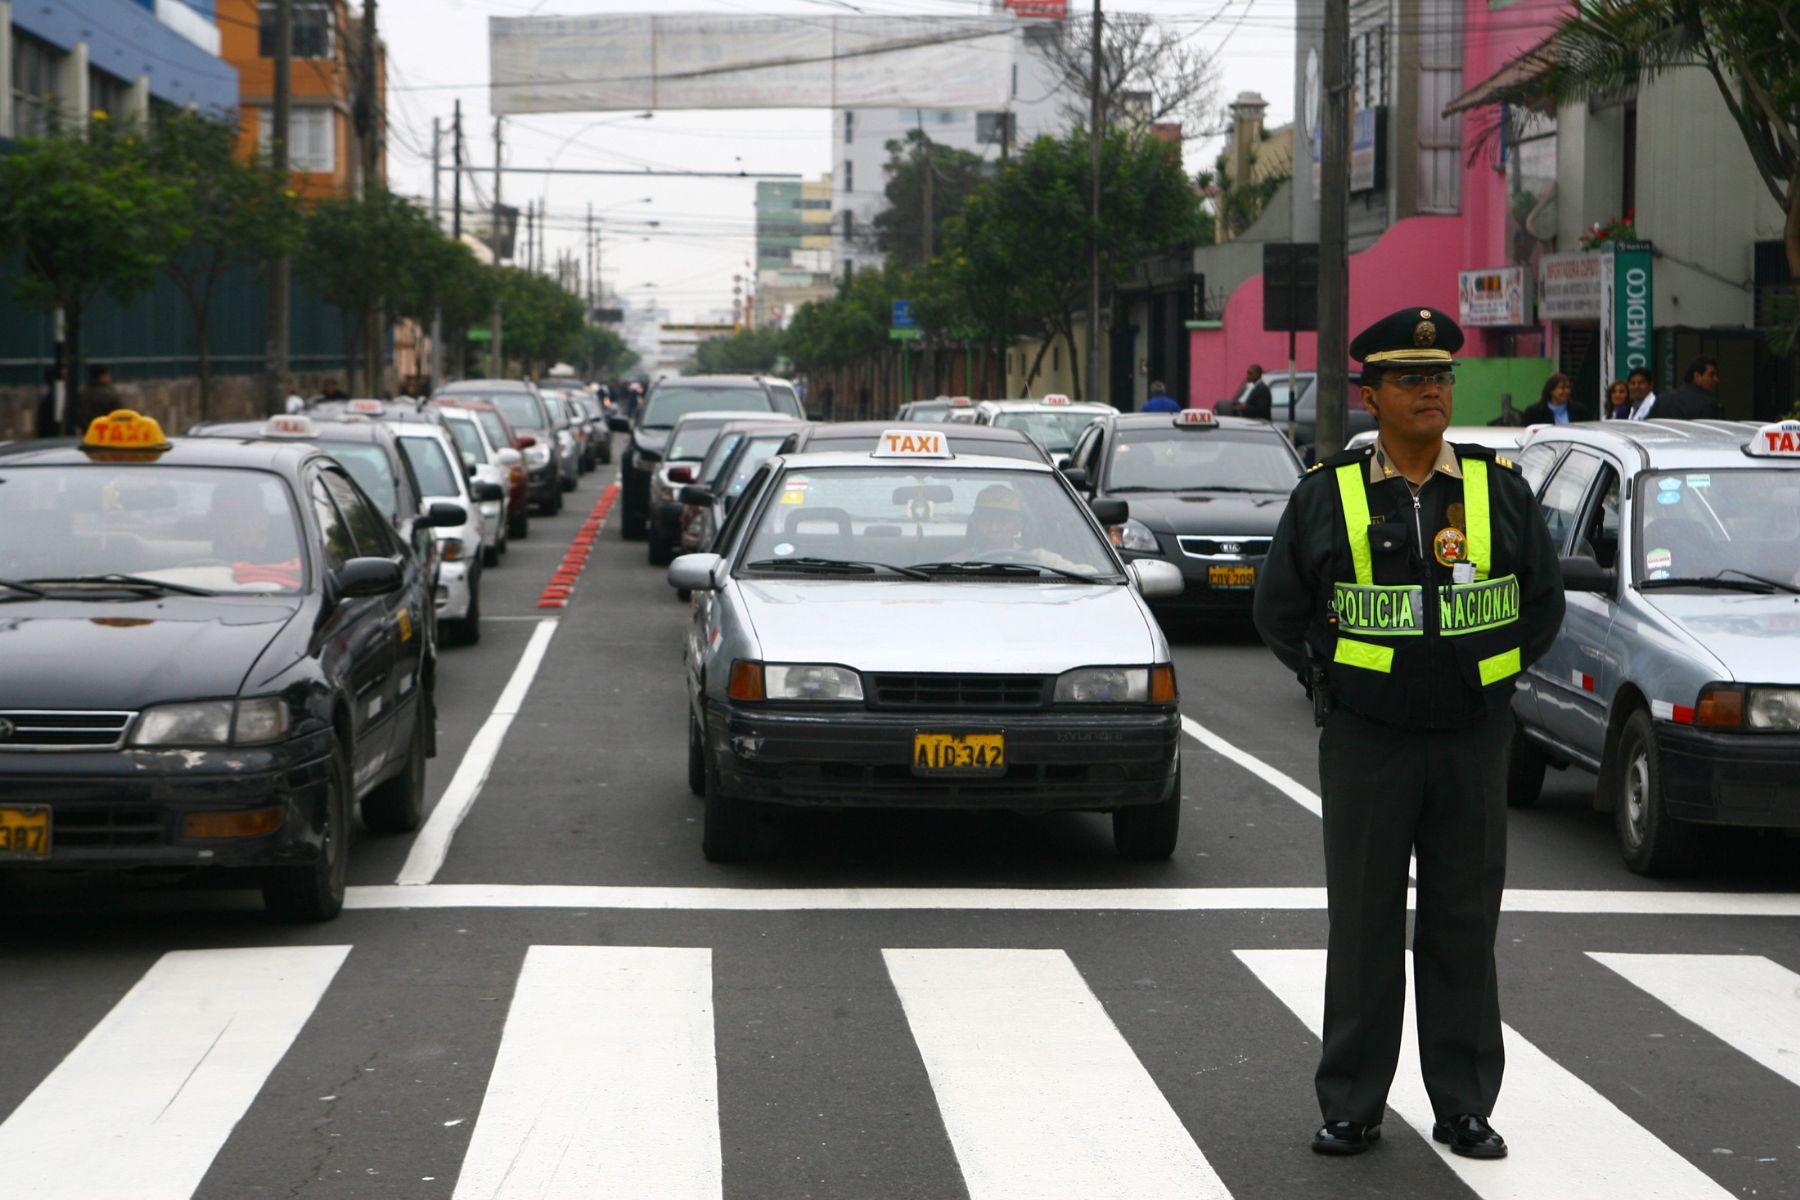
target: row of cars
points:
(226, 643)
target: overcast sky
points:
(437, 54)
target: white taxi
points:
(1053, 421)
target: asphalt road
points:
(574, 1003)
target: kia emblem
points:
(1231, 547)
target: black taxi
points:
(211, 650)
(1206, 493)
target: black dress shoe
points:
(1345, 1137)
(1470, 1136)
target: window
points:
(849, 225)
(33, 84)
(107, 93)
(372, 537)
(991, 128)
(1368, 68)
(1561, 504)
(312, 29)
(849, 126)
(468, 441)
(339, 549)
(1535, 463)
(849, 176)
(1600, 538)
(432, 466)
(312, 137)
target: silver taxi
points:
(912, 628)
(1053, 422)
(1676, 675)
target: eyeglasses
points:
(1442, 379)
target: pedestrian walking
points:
(1409, 583)
(1556, 404)
(97, 399)
(1260, 403)
(1160, 400)
(47, 417)
(1697, 397)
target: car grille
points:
(1223, 545)
(109, 825)
(22, 729)
(973, 693)
(1018, 786)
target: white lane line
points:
(432, 844)
(1565, 1138)
(606, 1082)
(1746, 1001)
(139, 1110)
(1039, 1091)
(1287, 785)
(578, 896)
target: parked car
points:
(1496, 437)
(1306, 415)
(689, 441)
(568, 438)
(485, 462)
(529, 415)
(1053, 422)
(508, 451)
(432, 454)
(740, 448)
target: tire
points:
(661, 552)
(554, 505)
(1148, 832)
(606, 453)
(518, 524)
(315, 891)
(467, 631)
(1525, 765)
(571, 482)
(728, 826)
(1650, 841)
(696, 756)
(398, 806)
(490, 555)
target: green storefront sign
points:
(1627, 313)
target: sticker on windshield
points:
(1658, 559)
(1668, 497)
(1668, 485)
(1660, 573)
(783, 549)
(1699, 481)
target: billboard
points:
(1494, 297)
(690, 60)
(1626, 315)
(1569, 286)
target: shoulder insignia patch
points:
(1508, 463)
(1316, 466)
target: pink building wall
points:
(1415, 262)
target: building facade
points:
(793, 248)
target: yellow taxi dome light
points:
(123, 429)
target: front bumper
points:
(117, 809)
(454, 587)
(1199, 593)
(862, 759)
(1729, 778)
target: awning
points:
(1520, 72)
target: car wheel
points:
(1651, 841)
(490, 555)
(571, 482)
(467, 632)
(696, 756)
(518, 524)
(315, 892)
(398, 806)
(606, 454)
(1525, 765)
(554, 505)
(661, 552)
(728, 826)
(1148, 832)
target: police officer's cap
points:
(1412, 337)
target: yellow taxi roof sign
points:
(1779, 439)
(123, 429)
(1196, 418)
(910, 443)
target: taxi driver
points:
(996, 530)
(259, 548)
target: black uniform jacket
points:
(1311, 552)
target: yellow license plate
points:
(958, 753)
(1231, 577)
(25, 832)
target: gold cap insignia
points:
(1425, 313)
(1424, 334)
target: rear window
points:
(374, 474)
(431, 465)
(668, 405)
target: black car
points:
(529, 415)
(1206, 493)
(740, 448)
(964, 439)
(218, 648)
(669, 401)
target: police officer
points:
(1408, 585)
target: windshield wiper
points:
(982, 567)
(846, 566)
(136, 583)
(1760, 586)
(24, 588)
(1774, 583)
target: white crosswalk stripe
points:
(1566, 1139)
(606, 1083)
(1744, 1000)
(140, 1108)
(1040, 1093)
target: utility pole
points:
(591, 302)
(1096, 118)
(531, 262)
(277, 333)
(437, 309)
(499, 361)
(1334, 219)
(927, 169)
(372, 134)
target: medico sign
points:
(1627, 315)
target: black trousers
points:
(1439, 795)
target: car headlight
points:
(212, 723)
(1117, 685)
(451, 548)
(1134, 535)
(537, 455)
(810, 681)
(1773, 708)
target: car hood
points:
(1755, 638)
(124, 655)
(901, 625)
(1208, 512)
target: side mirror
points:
(1156, 578)
(443, 514)
(1109, 512)
(681, 473)
(696, 495)
(694, 572)
(619, 424)
(486, 491)
(527, 441)
(368, 577)
(508, 458)
(1583, 574)
(1077, 477)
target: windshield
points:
(522, 411)
(669, 404)
(430, 465)
(1174, 460)
(468, 442)
(758, 452)
(1696, 525)
(220, 530)
(717, 457)
(693, 439)
(1054, 431)
(374, 474)
(495, 425)
(905, 516)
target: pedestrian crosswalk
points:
(606, 1078)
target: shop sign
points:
(1494, 297)
(1627, 316)
(1569, 287)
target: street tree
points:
(360, 253)
(221, 213)
(543, 322)
(1150, 73)
(83, 209)
(604, 353)
(745, 352)
(899, 228)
